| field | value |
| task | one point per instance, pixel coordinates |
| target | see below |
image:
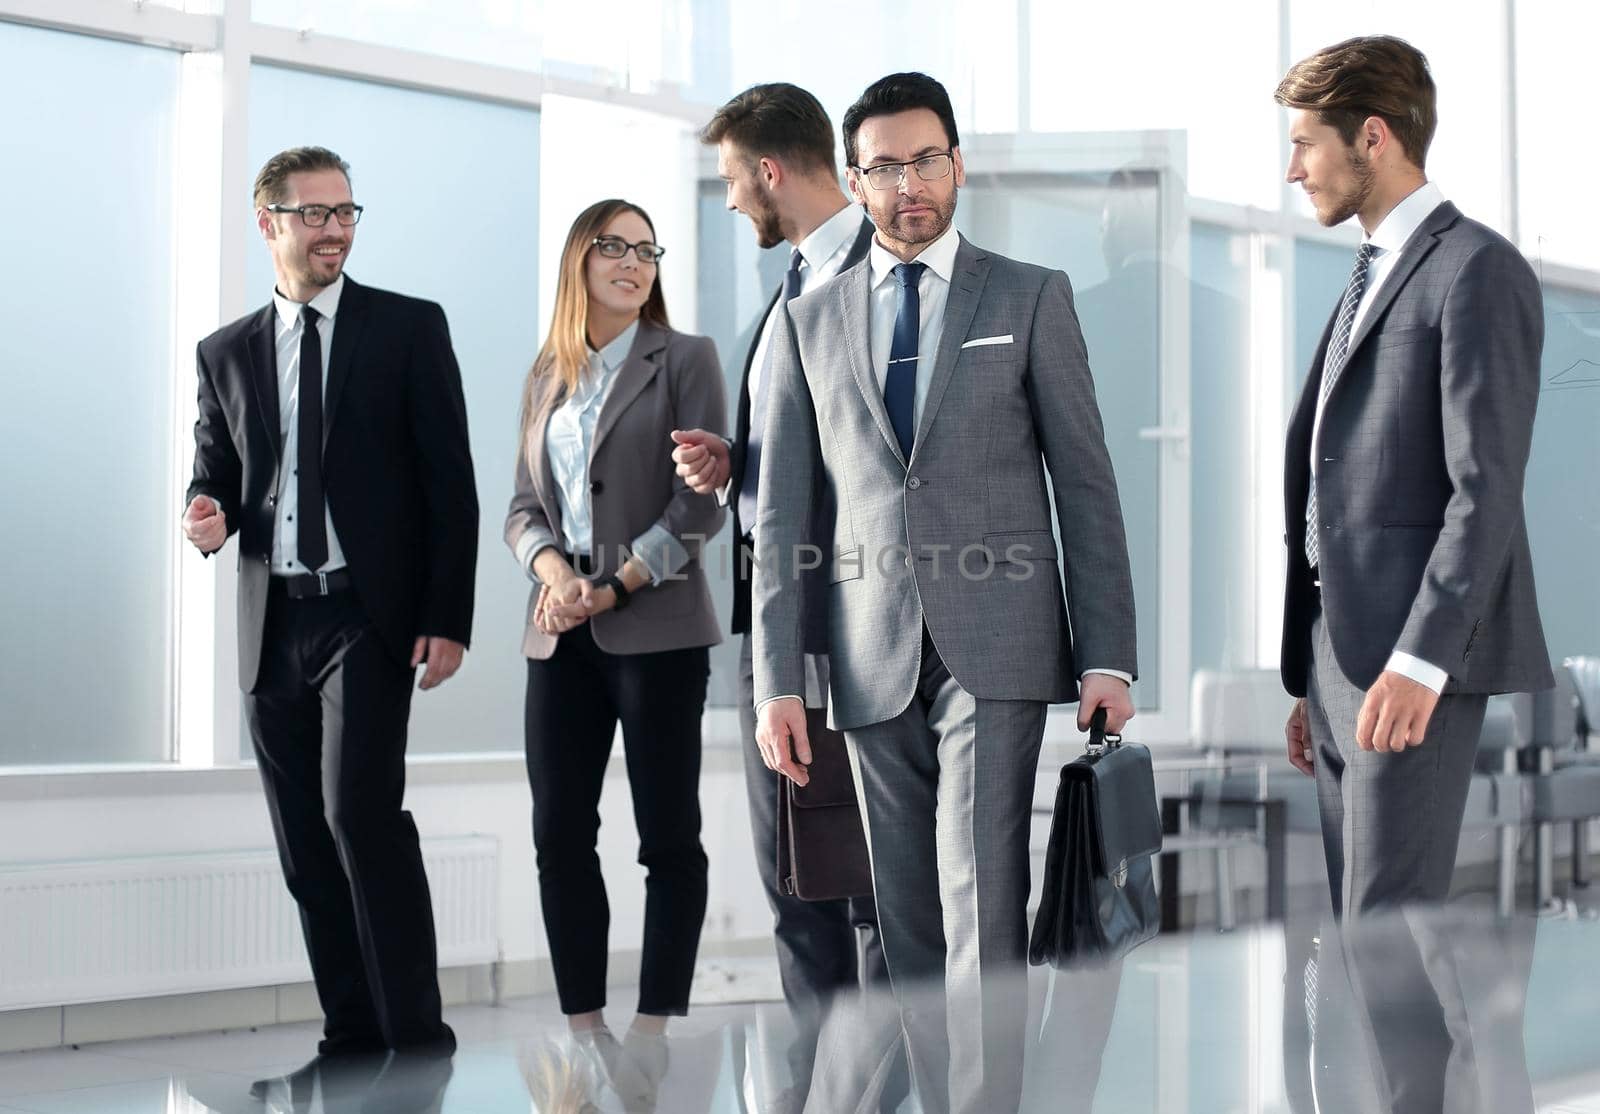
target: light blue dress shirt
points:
(569, 441)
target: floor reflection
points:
(1454, 1011)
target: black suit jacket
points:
(396, 467)
(816, 618)
(1420, 460)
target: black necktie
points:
(311, 535)
(758, 406)
(1332, 367)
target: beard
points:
(1346, 205)
(310, 272)
(768, 232)
(921, 230)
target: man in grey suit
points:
(924, 395)
(775, 155)
(1410, 591)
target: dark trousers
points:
(817, 941)
(328, 718)
(575, 700)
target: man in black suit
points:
(775, 154)
(353, 498)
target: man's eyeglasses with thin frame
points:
(889, 175)
(315, 216)
(615, 247)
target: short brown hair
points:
(1374, 75)
(777, 120)
(272, 183)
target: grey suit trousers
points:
(946, 790)
(1390, 822)
(1390, 825)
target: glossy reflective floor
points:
(1201, 1023)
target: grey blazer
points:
(670, 380)
(1422, 450)
(959, 537)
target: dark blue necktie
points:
(758, 405)
(900, 384)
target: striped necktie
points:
(1332, 367)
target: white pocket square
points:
(979, 342)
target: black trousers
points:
(328, 718)
(824, 947)
(575, 700)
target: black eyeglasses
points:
(315, 216)
(889, 175)
(615, 247)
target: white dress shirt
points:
(1389, 238)
(569, 441)
(287, 331)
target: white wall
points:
(124, 814)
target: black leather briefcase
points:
(1099, 898)
(822, 847)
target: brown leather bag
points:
(822, 847)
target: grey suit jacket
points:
(959, 537)
(1421, 454)
(670, 380)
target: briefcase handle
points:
(1100, 742)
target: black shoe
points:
(352, 1046)
(440, 1046)
(332, 1068)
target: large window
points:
(1557, 162)
(499, 32)
(1222, 581)
(86, 348)
(451, 189)
(1563, 501)
(128, 233)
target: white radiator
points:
(178, 924)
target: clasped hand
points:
(569, 603)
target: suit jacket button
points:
(596, 487)
(272, 500)
(914, 482)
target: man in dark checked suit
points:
(352, 494)
(1410, 594)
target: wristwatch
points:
(614, 582)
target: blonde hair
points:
(565, 352)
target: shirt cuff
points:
(1125, 678)
(771, 699)
(1422, 672)
(661, 554)
(726, 489)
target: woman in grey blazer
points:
(619, 620)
